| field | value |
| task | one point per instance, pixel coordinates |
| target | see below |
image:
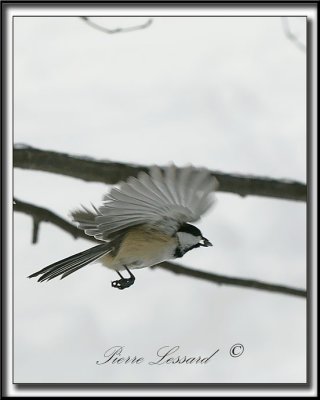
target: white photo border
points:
(11, 9)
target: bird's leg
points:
(123, 282)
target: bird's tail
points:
(71, 264)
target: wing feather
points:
(152, 186)
(165, 198)
(145, 189)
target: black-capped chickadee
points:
(142, 223)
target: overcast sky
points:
(225, 93)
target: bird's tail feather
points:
(71, 264)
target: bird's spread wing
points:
(166, 198)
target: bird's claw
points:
(123, 283)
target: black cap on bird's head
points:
(194, 231)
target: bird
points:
(143, 221)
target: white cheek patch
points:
(187, 240)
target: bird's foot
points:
(123, 283)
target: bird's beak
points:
(206, 243)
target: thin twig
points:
(110, 172)
(35, 232)
(42, 214)
(293, 38)
(116, 30)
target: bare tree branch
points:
(228, 280)
(110, 172)
(117, 30)
(41, 214)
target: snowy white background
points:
(225, 93)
